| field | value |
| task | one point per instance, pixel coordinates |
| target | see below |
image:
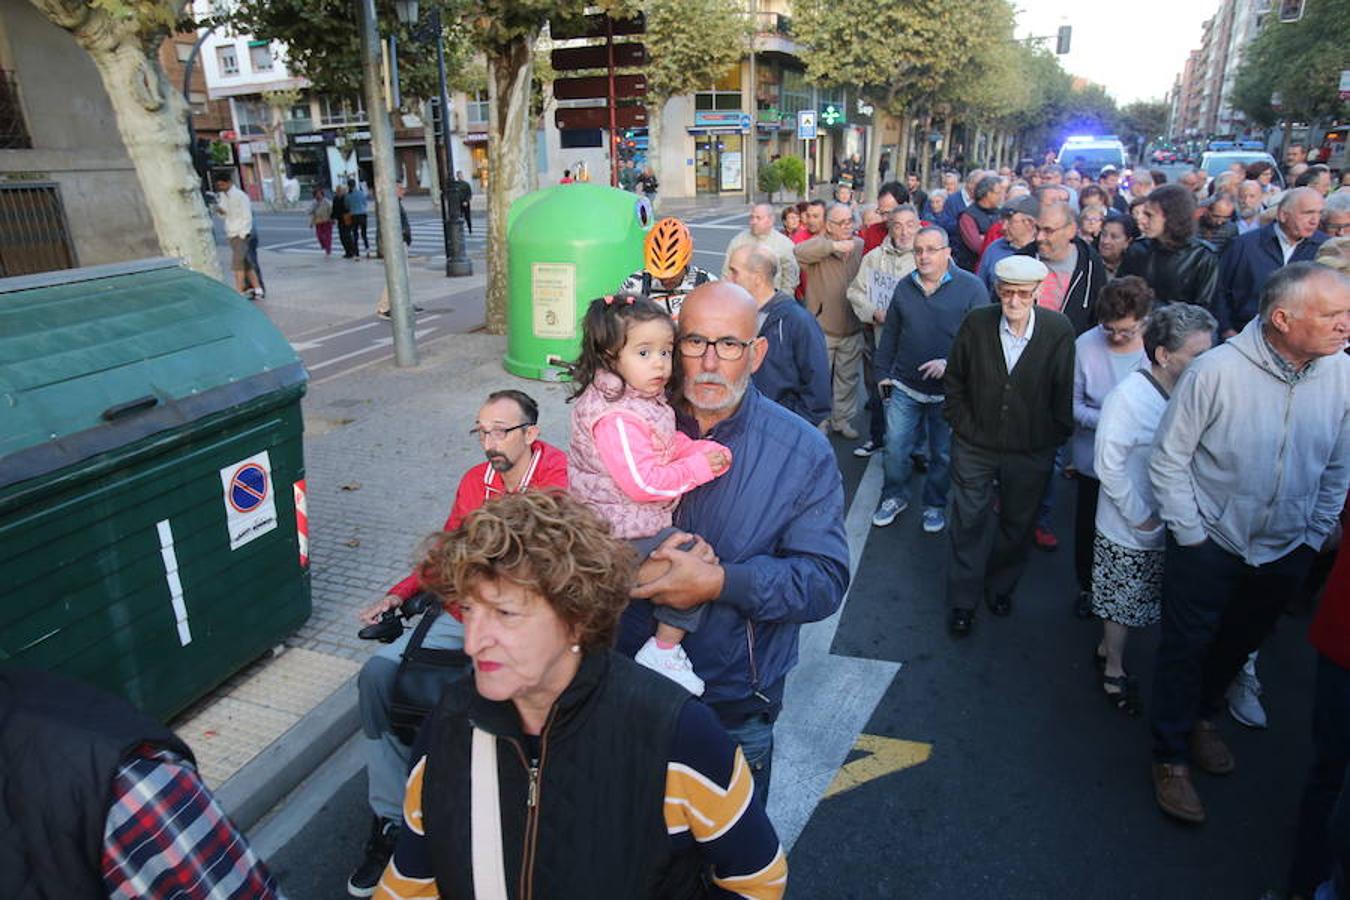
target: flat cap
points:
(1020, 270)
(1108, 169)
(1027, 206)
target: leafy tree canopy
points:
(1301, 61)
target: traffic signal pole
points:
(613, 104)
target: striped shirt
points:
(709, 804)
(166, 837)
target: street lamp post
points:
(452, 224)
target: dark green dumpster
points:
(150, 471)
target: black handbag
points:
(422, 674)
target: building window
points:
(725, 93)
(260, 56)
(341, 111)
(228, 59)
(476, 108)
(184, 51)
(13, 128)
(796, 92)
(33, 232)
(197, 100)
(252, 117)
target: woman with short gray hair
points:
(1127, 562)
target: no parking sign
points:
(250, 507)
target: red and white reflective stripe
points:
(302, 522)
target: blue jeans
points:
(755, 735)
(906, 420)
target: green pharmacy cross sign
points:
(832, 115)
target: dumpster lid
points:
(93, 359)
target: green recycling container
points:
(151, 468)
(566, 245)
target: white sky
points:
(1134, 50)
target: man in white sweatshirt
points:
(1250, 471)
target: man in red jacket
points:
(517, 461)
(1322, 850)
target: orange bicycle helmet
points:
(667, 249)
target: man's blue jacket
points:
(796, 370)
(776, 522)
(1248, 260)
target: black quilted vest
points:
(984, 220)
(597, 828)
(61, 743)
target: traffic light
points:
(1062, 43)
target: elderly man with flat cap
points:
(1009, 400)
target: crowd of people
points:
(1012, 338)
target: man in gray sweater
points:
(1250, 470)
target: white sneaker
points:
(887, 511)
(1244, 703)
(672, 663)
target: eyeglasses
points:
(729, 349)
(1124, 332)
(497, 434)
(928, 251)
(1046, 229)
(1337, 230)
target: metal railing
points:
(13, 129)
(34, 236)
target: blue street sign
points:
(745, 121)
(806, 124)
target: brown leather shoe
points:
(1175, 793)
(1208, 751)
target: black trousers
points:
(876, 407)
(468, 222)
(359, 227)
(348, 239)
(1216, 609)
(1085, 528)
(1323, 843)
(985, 558)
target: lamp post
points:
(452, 224)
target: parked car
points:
(1215, 164)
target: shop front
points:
(719, 152)
(307, 160)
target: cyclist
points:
(667, 274)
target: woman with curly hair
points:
(1180, 267)
(562, 769)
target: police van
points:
(1090, 155)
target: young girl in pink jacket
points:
(627, 460)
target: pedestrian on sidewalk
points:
(517, 460)
(321, 217)
(343, 216)
(358, 206)
(1009, 401)
(234, 206)
(463, 196)
(1273, 400)
(614, 780)
(1127, 552)
(405, 229)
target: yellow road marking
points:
(884, 756)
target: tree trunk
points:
(977, 149)
(152, 121)
(926, 150)
(429, 143)
(872, 172)
(947, 138)
(277, 151)
(508, 165)
(901, 163)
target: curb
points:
(265, 780)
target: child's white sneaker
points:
(672, 663)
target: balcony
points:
(773, 34)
